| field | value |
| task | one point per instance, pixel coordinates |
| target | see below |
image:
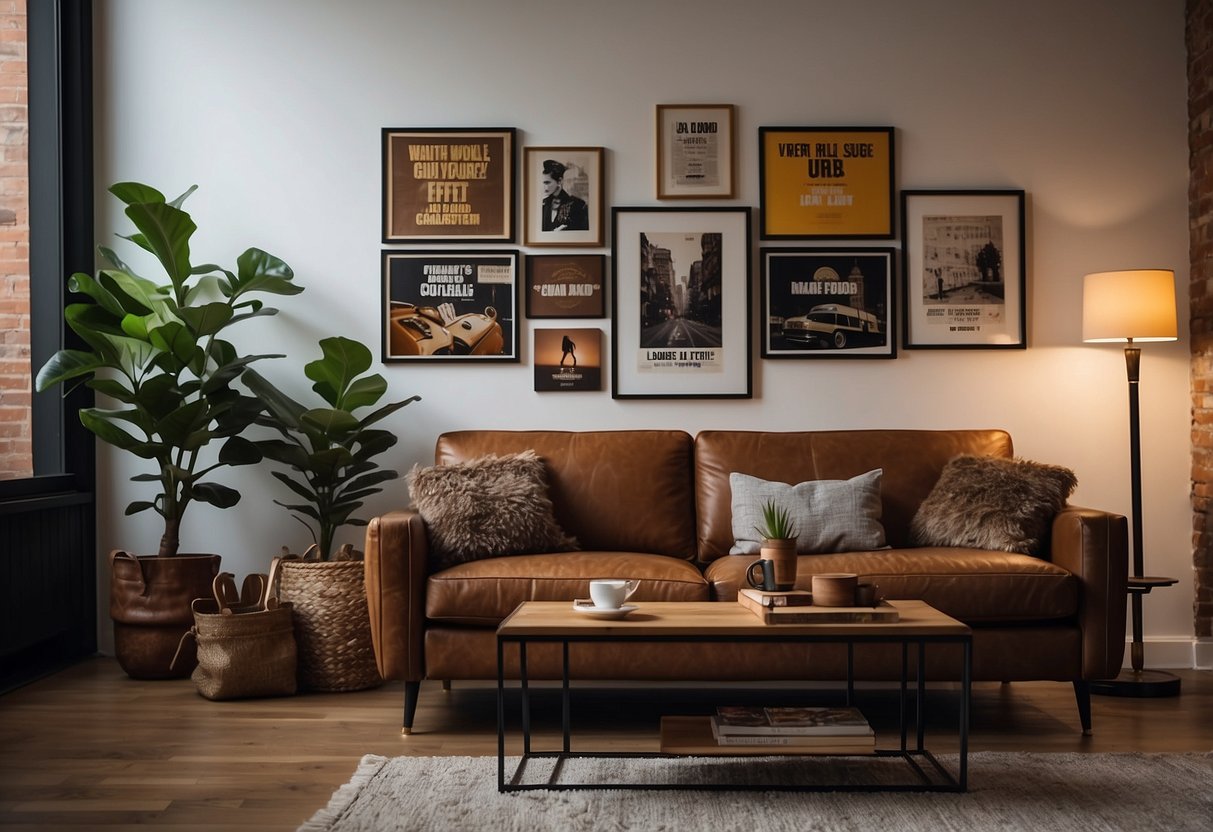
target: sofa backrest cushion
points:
(622, 491)
(912, 461)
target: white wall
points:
(274, 108)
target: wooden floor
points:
(89, 748)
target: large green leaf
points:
(228, 372)
(332, 422)
(387, 410)
(177, 427)
(167, 231)
(260, 271)
(368, 480)
(110, 256)
(217, 495)
(373, 442)
(67, 364)
(174, 338)
(296, 486)
(287, 453)
(85, 284)
(133, 192)
(239, 451)
(138, 506)
(309, 511)
(207, 319)
(112, 388)
(137, 295)
(159, 396)
(363, 392)
(281, 407)
(342, 360)
(99, 422)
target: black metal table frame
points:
(957, 782)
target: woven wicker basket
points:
(332, 624)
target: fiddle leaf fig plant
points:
(155, 348)
(330, 449)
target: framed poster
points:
(563, 196)
(680, 309)
(964, 269)
(450, 306)
(568, 359)
(827, 303)
(695, 151)
(819, 182)
(444, 186)
(565, 286)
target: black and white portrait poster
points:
(681, 290)
(564, 196)
(964, 269)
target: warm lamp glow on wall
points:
(1133, 306)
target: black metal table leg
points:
(500, 716)
(564, 698)
(526, 700)
(919, 718)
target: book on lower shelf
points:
(757, 721)
(692, 735)
(821, 742)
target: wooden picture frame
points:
(695, 151)
(964, 269)
(448, 185)
(566, 286)
(680, 303)
(828, 303)
(826, 182)
(450, 306)
(564, 196)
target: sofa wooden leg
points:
(446, 685)
(1082, 693)
(411, 691)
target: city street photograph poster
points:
(964, 269)
(450, 306)
(681, 303)
(827, 303)
(443, 186)
(568, 359)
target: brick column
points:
(1199, 36)
(16, 444)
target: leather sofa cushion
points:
(912, 461)
(973, 585)
(623, 491)
(484, 592)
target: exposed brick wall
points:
(1199, 35)
(16, 446)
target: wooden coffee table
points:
(707, 621)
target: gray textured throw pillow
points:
(486, 507)
(830, 515)
(987, 502)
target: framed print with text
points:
(563, 196)
(963, 268)
(680, 309)
(568, 359)
(818, 182)
(695, 151)
(565, 286)
(450, 306)
(827, 303)
(444, 185)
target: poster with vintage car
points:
(450, 306)
(827, 303)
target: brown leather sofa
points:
(656, 505)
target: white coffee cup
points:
(610, 594)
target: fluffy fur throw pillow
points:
(486, 507)
(991, 503)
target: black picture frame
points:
(828, 302)
(964, 269)
(450, 306)
(681, 303)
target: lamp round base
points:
(1138, 683)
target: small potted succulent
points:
(329, 451)
(779, 533)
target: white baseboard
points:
(1176, 652)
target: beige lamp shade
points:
(1136, 303)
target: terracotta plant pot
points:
(150, 605)
(783, 553)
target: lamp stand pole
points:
(1138, 682)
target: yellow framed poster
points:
(826, 182)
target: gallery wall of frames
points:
(681, 281)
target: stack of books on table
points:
(816, 730)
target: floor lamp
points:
(1133, 306)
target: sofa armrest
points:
(1093, 545)
(396, 551)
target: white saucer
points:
(587, 607)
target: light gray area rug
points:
(1037, 792)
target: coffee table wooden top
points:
(712, 618)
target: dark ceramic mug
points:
(767, 582)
